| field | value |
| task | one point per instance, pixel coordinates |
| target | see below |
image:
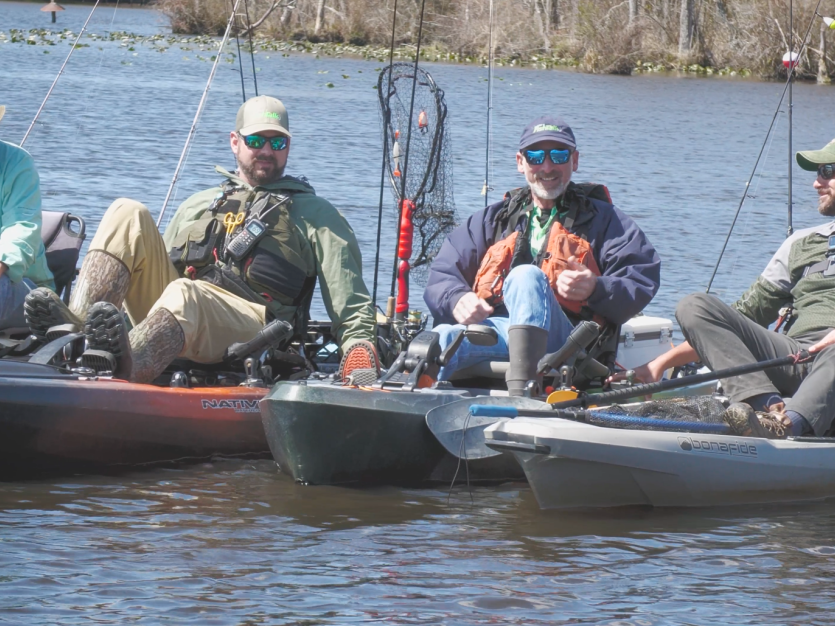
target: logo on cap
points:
(540, 127)
(271, 114)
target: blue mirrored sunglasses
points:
(826, 172)
(256, 142)
(537, 157)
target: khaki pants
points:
(212, 318)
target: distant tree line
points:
(609, 36)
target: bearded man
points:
(534, 264)
(800, 278)
(233, 258)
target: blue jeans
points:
(530, 301)
(12, 296)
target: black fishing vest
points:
(274, 272)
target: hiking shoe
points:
(45, 311)
(360, 356)
(108, 344)
(746, 422)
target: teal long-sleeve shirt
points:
(21, 246)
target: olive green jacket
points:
(783, 283)
(332, 248)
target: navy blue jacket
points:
(630, 266)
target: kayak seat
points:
(63, 235)
(63, 247)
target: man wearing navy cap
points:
(543, 258)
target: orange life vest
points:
(562, 244)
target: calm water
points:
(235, 543)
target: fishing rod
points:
(249, 29)
(401, 266)
(199, 112)
(486, 189)
(60, 71)
(385, 164)
(791, 69)
(792, 61)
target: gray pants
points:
(724, 338)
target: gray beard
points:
(540, 191)
(257, 179)
(827, 206)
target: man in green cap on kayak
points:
(800, 278)
(233, 258)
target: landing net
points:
(697, 414)
(429, 170)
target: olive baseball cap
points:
(262, 113)
(547, 128)
(810, 159)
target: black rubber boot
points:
(46, 313)
(108, 344)
(526, 345)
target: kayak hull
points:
(325, 434)
(57, 422)
(570, 465)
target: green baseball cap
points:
(810, 159)
(262, 113)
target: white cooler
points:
(642, 339)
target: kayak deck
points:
(572, 465)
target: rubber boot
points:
(525, 345)
(139, 356)
(103, 278)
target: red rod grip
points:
(407, 230)
(402, 287)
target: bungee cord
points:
(791, 69)
(60, 71)
(199, 112)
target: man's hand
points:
(646, 373)
(471, 309)
(577, 282)
(823, 343)
(3, 268)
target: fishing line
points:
(762, 149)
(200, 106)
(466, 464)
(790, 228)
(406, 153)
(251, 50)
(486, 189)
(754, 195)
(386, 116)
(60, 71)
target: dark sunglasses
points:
(537, 157)
(256, 142)
(826, 172)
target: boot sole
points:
(107, 336)
(43, 312)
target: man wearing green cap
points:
(22, 255)
(800, 278)
(233, 258)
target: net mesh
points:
(428, 174)
(697, 410)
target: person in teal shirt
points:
(22, 255)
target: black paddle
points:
(459, 426)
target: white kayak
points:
(570, 464)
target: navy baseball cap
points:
(547, 128)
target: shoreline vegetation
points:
(703, 37)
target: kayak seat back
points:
(63, 235)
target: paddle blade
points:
(462, 434)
